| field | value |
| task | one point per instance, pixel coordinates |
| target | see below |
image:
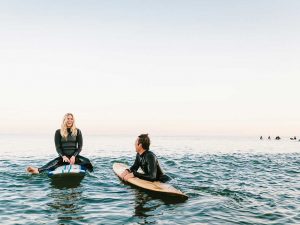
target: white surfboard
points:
(67, 170)
(154, 186)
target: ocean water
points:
(229, 180)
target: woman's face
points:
(69, 121)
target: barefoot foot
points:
(32, 170)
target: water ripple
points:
(222, 188)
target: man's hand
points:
(124, 174)
(72, 160)
(65, 159)
(128, 176)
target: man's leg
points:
(165, 178)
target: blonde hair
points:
(63, 130)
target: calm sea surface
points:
(229, 180)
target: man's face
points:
(137, 146)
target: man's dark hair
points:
(145, 141)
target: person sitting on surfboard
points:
(148, 162)
(68, 143)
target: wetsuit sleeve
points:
(136, 165)
(57, 140)
(79, 142)
(152, 169)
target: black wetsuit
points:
(71, 146)
(150, 166)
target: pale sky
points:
(161, 67)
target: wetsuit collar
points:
(143, 153)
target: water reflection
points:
(61, 182)
(145, 207)
(147, 204)
(141, 208)
(66, 201)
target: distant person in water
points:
(68, 143)
(269, 138)
(147, 161)
(261, 138)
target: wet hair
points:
(144, 140)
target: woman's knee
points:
(84, 160)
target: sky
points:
(157, 67)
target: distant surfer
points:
(68, 143)
(147, 161)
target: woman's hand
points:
(65, 159)
(72, 160)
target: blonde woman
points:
(68, 143)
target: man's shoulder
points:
(150, 154)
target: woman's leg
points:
(84, 162)
(52, 165)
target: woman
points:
(68, 143)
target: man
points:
(148, 162)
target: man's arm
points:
(136, 164)
(134, 167)
(152, 169)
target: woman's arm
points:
(79, 140)
(57, 140)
